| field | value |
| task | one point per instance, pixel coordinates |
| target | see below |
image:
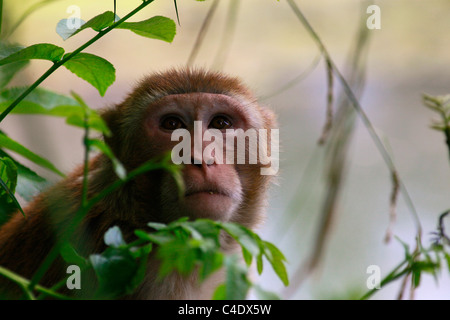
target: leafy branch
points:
(56, 55)
(426, 260)
(441, 105)
(184, 247)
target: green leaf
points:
(6, 210)
(71, 256)
(97, 71)
(8, 174)
(7, 72)
(43, 51)
(176, 255)
(98, 23)
(276, 259)
(8, 181)
(247, 256)
(408, 255)
(153, 237)
(114, 237)
(447, 258)
(236, 283)
(101, 21)
(259, 263)
(264, 294)
(142, 268)
(247, 239)
(211, 261)
(157, 225)
(115, 269)
(39, 101)
(220, 293)
(207, 228)
(158, 27)
(64, 27)
(142, 235)
(8, 143)
(28, 182)
(7, 49)
(88, 117)
(416, 277)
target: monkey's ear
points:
(111, 117)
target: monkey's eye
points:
(220, 122)
(172, 123)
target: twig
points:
(202, 33)
(403, 285)
(336, 149)
(362, 115)
(392, 206)
(230, 27)
(329, 113)
(312, 66)
(176, 11)
(441, 228)
(27, 12)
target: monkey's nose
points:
(202, 163)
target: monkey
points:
(142, 127)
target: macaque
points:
(142, 126)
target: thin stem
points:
(27, 12)
(24, 283)
(230, 27)
(176, 11)
(69, 56)
(389, 278)
(294, 81)
(329, 112)
(202, 33)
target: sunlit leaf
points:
(158, 27)
(276, 259)
(7, 72)
(97, 71)
(39, 101)
(43, 51)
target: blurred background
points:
(269, 47)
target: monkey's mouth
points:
(205, 191)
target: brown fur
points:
(25, 242)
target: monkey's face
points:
(214, 184)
